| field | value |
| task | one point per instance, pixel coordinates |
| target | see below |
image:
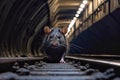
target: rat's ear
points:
(64, 30)
(47, 30)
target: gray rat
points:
(55, 44)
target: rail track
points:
(75, 68)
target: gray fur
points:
(55, 37)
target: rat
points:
(55, 44)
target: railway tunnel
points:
(93, 30)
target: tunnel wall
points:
(101, 37)
(20, 22)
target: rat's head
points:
(55, 44)
(55, 36)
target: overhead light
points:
(80, 9)
(76, 15)
(71, 23)
(85, 2)
(70, 26)
(82, 5)
(74, 18)
(78, 12)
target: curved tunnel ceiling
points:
(22, 22)
(62, 11)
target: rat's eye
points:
(51, 37)
(58, 37)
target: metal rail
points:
(75, 68)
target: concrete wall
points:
(101, 37)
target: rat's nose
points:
(55, 44)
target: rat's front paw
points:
(62, 61)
